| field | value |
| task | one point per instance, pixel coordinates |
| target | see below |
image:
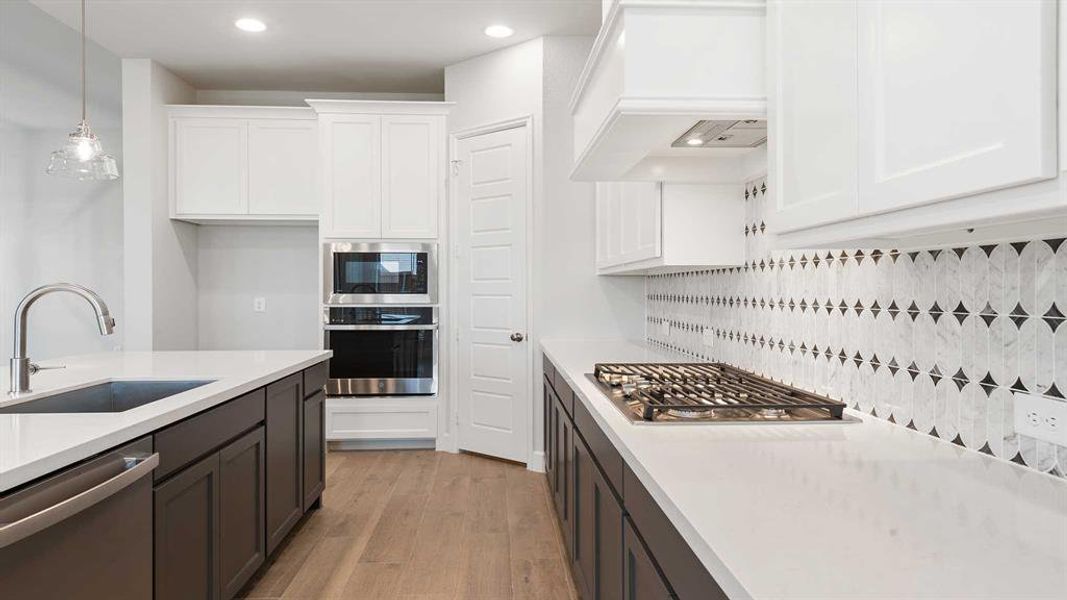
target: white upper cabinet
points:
(237, 163)
(903, 120)
(208, 166)
(812, 140)
(645, 227)
(411, 175)
(351, 175)
(383, 168)
(281, 167)
(955, 98)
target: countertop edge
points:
(711, 561)
(44, 466)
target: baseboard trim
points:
(537, 462)
(344, 445)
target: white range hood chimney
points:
(662, 73)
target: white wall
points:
(160, 259)
(237, 264)
(51, 228)
(536, 78)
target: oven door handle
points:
(379, 327)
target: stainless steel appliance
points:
(379, 273)
(85, 532)
(709, 393)
(381, 350)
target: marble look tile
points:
(995, 325)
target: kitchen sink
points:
(111, 397)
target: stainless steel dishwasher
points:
(85, 532)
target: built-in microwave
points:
(379, 273)
(381, 350)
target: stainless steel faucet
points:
(21, 367)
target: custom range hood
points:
(673, 90)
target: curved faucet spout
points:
(20, 364)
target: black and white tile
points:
(934, 340)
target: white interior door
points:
(490, 260)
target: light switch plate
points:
(708, 337)
(1041, 418)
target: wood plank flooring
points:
(422, 525)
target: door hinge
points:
(455, 166)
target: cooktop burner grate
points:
(709, 392)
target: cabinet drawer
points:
(184, 442)
(566, 397)
(604, 453)
(683, 570)
(315, 378)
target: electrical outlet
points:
(259, 304)
(1042, 418)
(708, 337)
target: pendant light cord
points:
(83, 61)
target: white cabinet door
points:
(351, 176)
(210, 166)
(640, 220)
(955, 98)
(281, 167)
(412, 175)
(813, 112)
(603, 213)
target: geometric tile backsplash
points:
(934, 340)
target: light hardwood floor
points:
(422, 525)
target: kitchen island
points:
(33, 445)
(849, 510)
(190, 468)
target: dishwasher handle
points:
(136, 468)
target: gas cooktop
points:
(709, 393)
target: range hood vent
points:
(747, 133)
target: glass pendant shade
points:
(82, 158)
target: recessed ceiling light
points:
(499, 31)
(251, 25)
(695, 142)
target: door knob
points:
(517, 337)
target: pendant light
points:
(81, 157)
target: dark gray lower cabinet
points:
(285, 457)
(549, 436)
(563, 453)
(242, 537)
(641, 577)
(314, 448)
(597, 550)
(186, 533)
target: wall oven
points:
(379, 273)
(381, 350)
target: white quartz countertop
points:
(32, 445)
(867, 510)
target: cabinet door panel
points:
(351, 175)
(550, 436)
(411, 176)
(186, 534)
(955, 98)
(314, 448)
(242, 541)
(210, 166)
(640, 220)
(281, 167)
(813, 111)
(564, 473)
(597, 548)
(285, 498)
(642, 579)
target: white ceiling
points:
(325, 45)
